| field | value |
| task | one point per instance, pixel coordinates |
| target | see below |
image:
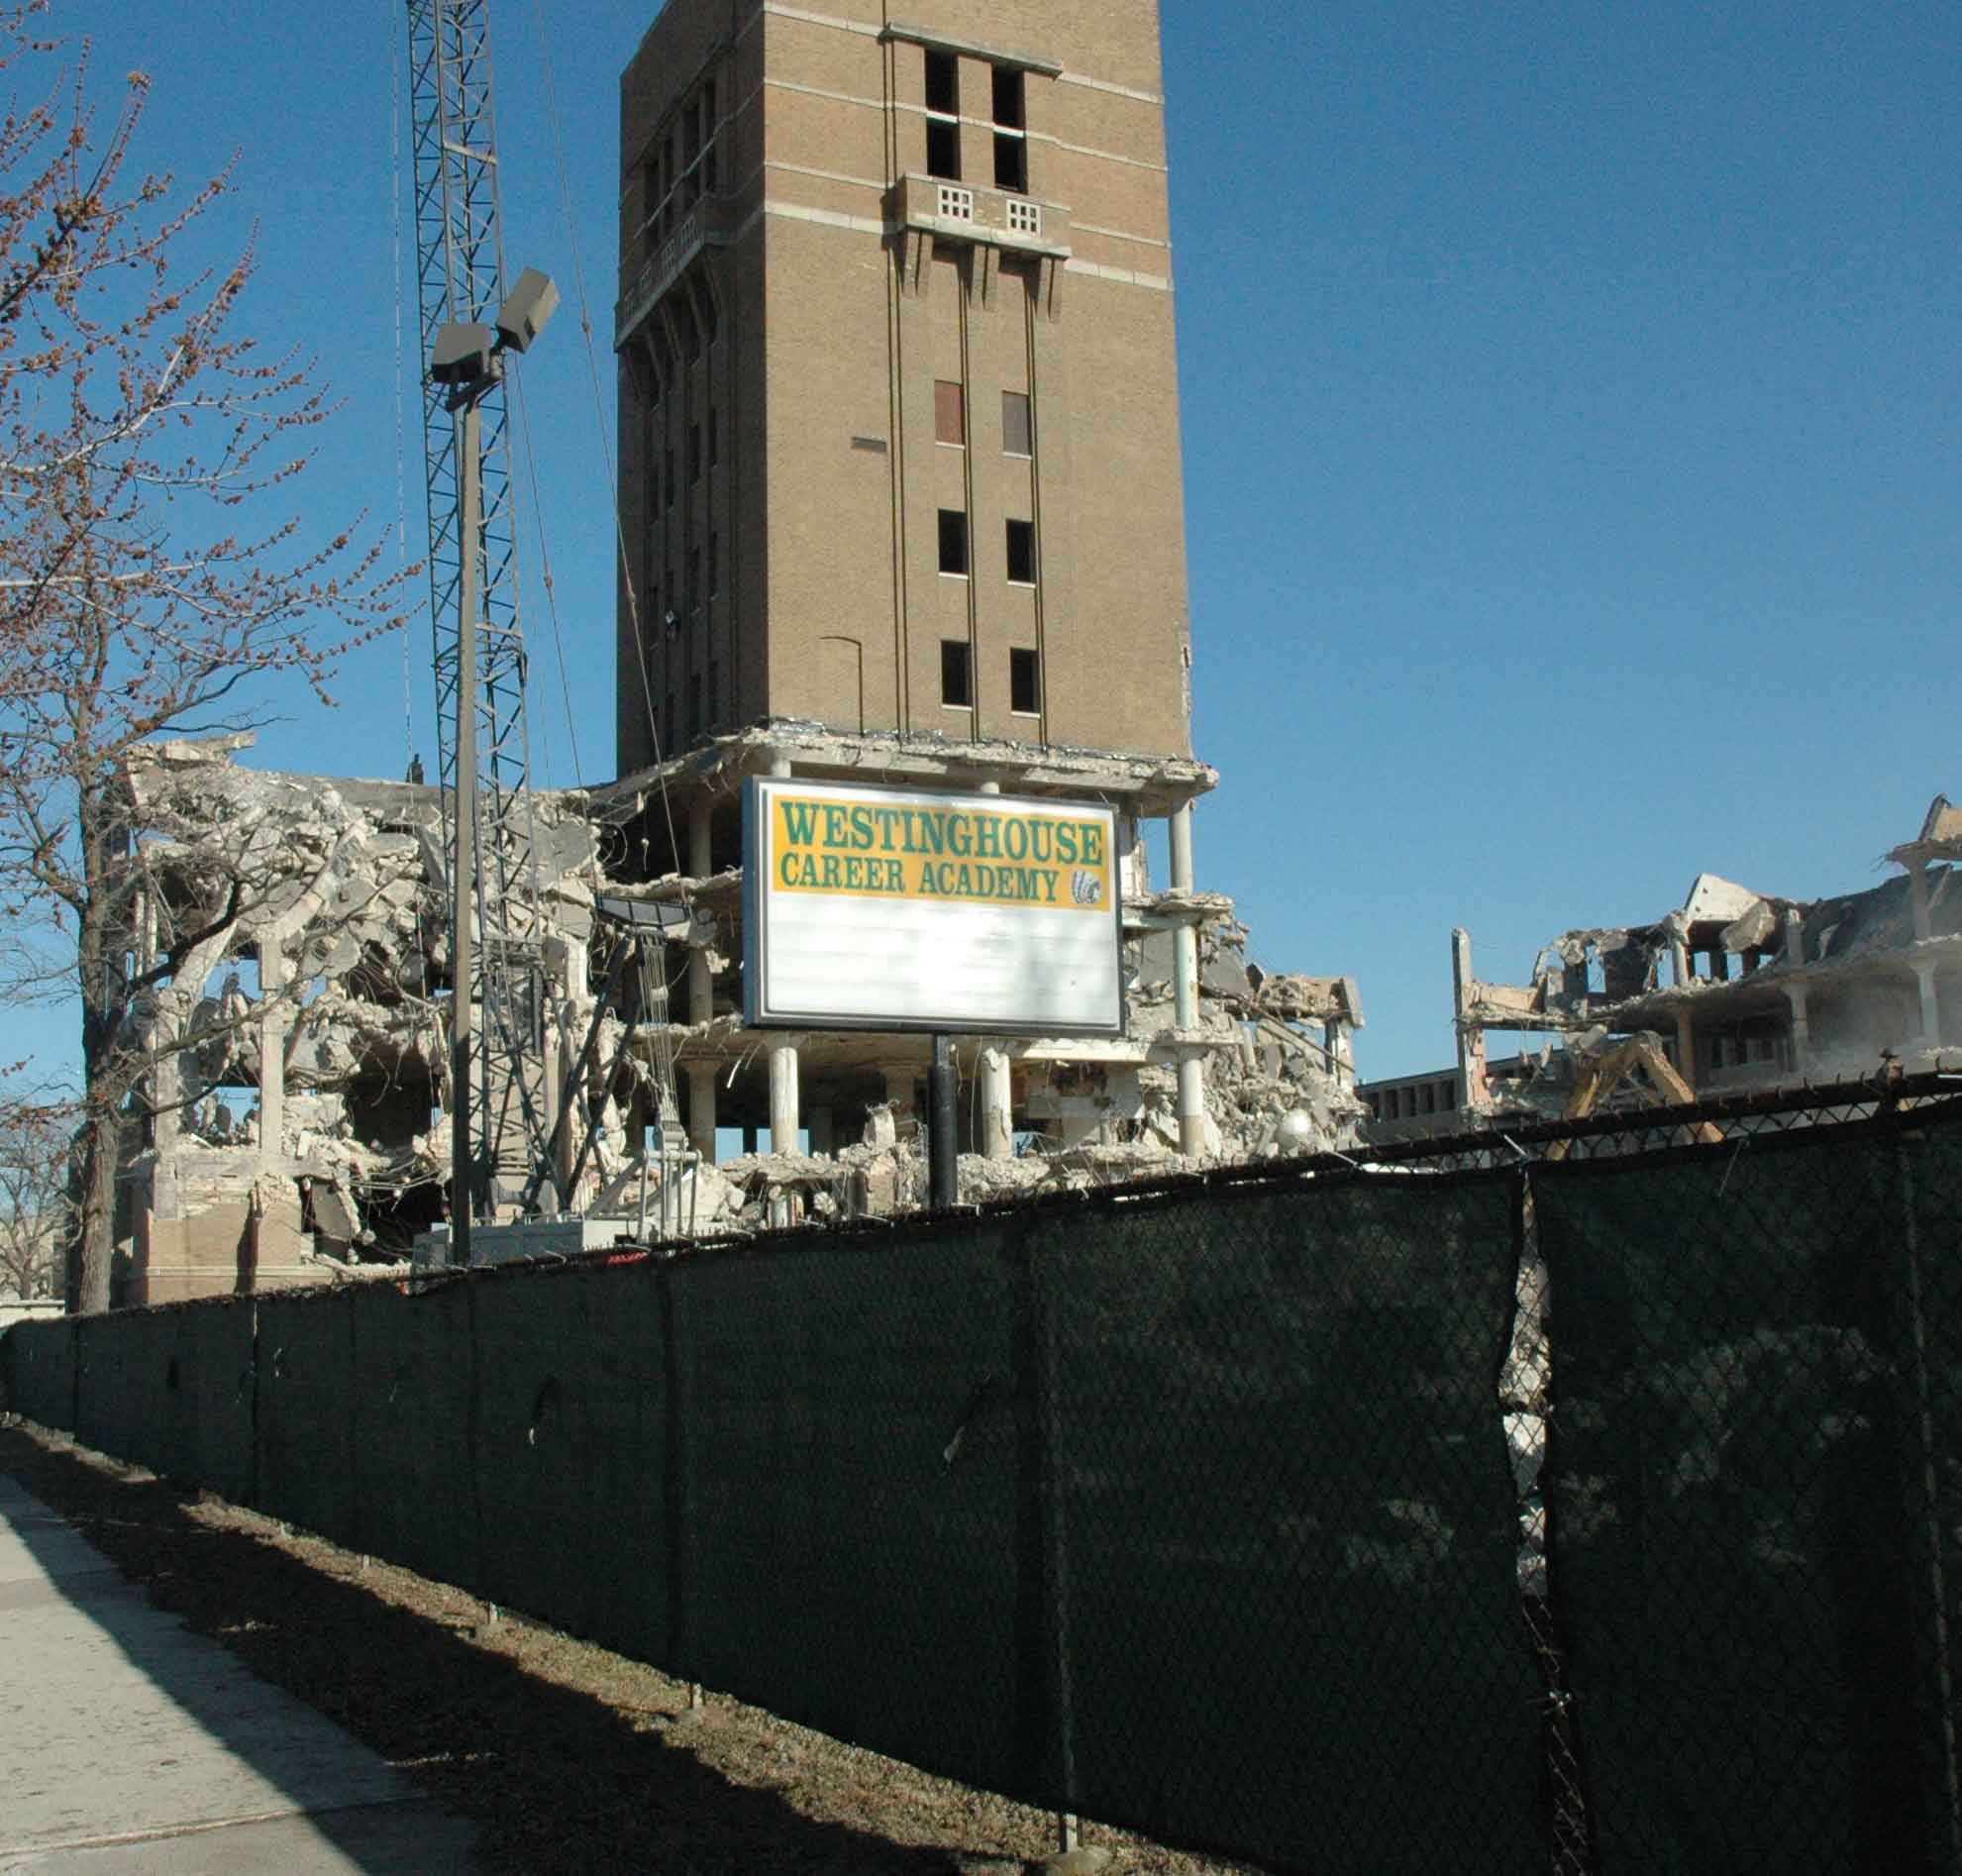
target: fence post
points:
(1047, 1700)
(678, 1490)
(1941, 1684)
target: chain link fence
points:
(1574, 1499)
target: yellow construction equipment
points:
(1597, 1076)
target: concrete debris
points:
(299, 1128)
(1745, 992)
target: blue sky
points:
(1570, 416)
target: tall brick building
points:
(899, 483)
(900, 430)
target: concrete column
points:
(783, 1122)
(1186, 989)
(276, 1019)
(1801, 1028)
(1930, 1007)
(1679, 960)
(701, 1109)
(1918, 889)
(1472, 1085)
(997, 1106)
(1685, 1048)
(1181, 823)
(701, 983)
(1794, 938)
(1339, 1040)
(780, 767)
(989, 787)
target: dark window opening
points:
(1011, 163)
(690, 333)
(1008, 96)
(1024, 683)
(957, 675)
(943, 149)
(943, 82)
(1022, 552)
(952, 541)
(949, 413)
(1015, 428)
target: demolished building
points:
(298, 1121)
(1745, 991)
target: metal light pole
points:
(468, 359)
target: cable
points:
(599, 420)
(550, 585)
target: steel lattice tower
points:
(460, 258)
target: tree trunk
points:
(102, 968)
(99, 1147)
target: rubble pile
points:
(299, 1117)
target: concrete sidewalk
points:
(127, 1743)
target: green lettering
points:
(1065, 843)
(987, 837)
(786, 870)
(834, 826)
(1092, 846)
(830, 872)
(1044, 842)
(960, 834)
(800, 820)
(862, 828)
(1015, 839)
(933, 827)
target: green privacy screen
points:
(1744, 1501)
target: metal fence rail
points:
(1483, 1507)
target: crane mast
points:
(461, 278)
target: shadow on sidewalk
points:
(556, 1777)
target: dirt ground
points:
(569, 1756)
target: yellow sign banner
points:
(960, 852)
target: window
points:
(1022, 552)
(943, 83)
(950, 414)
(1024, 683)
(956, 677)
(1011, 150)
(1015, 429)
(1024, 218)
(1011, 162)
(943, 122)
(1008, 98)
(952, 542)
(943, 149)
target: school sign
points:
(873, 908)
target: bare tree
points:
(141, 592)
(33, 1196)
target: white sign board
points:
(872, 909)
